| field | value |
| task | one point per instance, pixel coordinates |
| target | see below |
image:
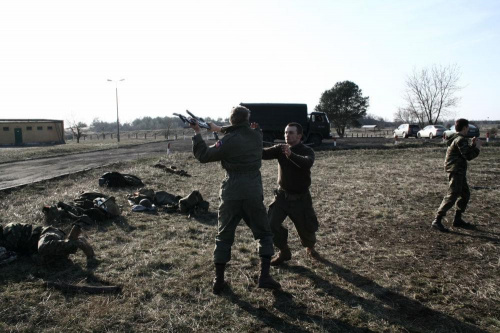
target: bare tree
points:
(77, 129)
(430, 94)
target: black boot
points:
(459, 223)
(284, 255)
(219, 282)
(436, 224)
(265, 279)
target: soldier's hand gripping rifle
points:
(192, 119)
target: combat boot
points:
(312, 253)
(84, 245)
(219, 282)
(459, 223)
(75, 232)
(284, 255)
(265, 279)
(437, 224)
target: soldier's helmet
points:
(146, 203)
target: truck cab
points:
(319, 128)
(273, 118)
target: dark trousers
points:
(458, 192)
(231, 212)
(299, 208)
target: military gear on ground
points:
(265, 279)
(108, 205)
(165, 198)
(284, 255)
(116, 179)
(437, 224)
(458, 153)
(145, 203)
(6, 256)
(193, 203)
(219, 283)
(172, 169)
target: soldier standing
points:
(241, 195)
(458, 153)
(292, 198)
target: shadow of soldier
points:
(270, 320)
(390, 306)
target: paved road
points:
(25, 172)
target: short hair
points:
(239, 114)
(298, 126)
(460, 124)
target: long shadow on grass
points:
(486, 238)
(392, 307)
(284, 303)
(262, 314)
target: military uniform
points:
(49, 242)
(240, 154)
(293, 198)
(458, 153)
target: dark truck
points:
(273, 118)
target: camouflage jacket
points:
(240, 154)
(21, 237)
(458, 153)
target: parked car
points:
(406, 130)
(473, 131)
(431, 131)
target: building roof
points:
(30, 121)
(369, 126)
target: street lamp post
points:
(117, 118)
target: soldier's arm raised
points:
(204, 153)
(304, 160)
(467, 151)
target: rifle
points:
(192, 119)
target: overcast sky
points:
(206, 56)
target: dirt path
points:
(25, 172)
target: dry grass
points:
(384, 269)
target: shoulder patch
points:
(218, 144)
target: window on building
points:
(39, 128)
(29, 128)
(5, 128)
(49, 128)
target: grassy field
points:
(384, 269)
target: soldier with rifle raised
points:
(241, 195)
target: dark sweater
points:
(294, 173)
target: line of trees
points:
(430, 95)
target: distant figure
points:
(241, 195)
(48, 242)
(458, 153)
(292, 198)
